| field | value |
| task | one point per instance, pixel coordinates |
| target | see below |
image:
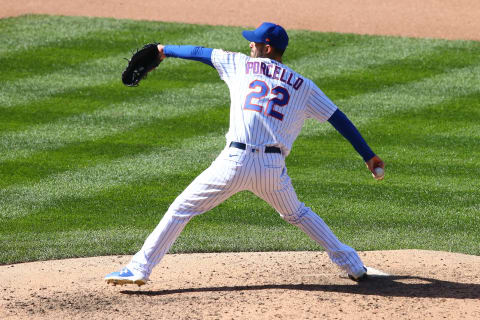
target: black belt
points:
(243, 146)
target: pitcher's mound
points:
(415, 284)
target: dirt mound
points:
(272, 285)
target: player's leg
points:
(213, 186)
(275, 187)
(341, 254)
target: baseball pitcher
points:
(269, 104)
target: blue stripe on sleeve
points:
(347, 129)
(190, 52)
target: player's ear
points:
(268, 49)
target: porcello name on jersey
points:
(275, 72)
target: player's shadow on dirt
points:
(389, 286)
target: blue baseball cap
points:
(268, 33)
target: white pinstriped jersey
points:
(269, 101)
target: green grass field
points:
(89, 166)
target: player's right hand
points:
(374, 163)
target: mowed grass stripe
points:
(395, 72)
(415, 95)
(27, 33)
(88, 61)
(450, 127)
(24, 34)
(124, 239)
(41, 86)
(76, 80)
(381, 105)
(59, 56)
(76, 101)
(18, 201)
(34, 246)
(326, 56)
(30, 246)
(72, 103)
(108, 121)
(166, 133)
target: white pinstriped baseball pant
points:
(236, 170)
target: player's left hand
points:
(375, 163)
(141, 63)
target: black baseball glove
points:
(142, 62)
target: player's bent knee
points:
(179, 213)
(296, 217)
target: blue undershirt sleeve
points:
(347, 129)
(190, 52)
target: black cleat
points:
(360, 278)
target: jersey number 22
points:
(261, 90)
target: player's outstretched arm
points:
(347, 129)
(186, 52)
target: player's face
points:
(258, 50)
